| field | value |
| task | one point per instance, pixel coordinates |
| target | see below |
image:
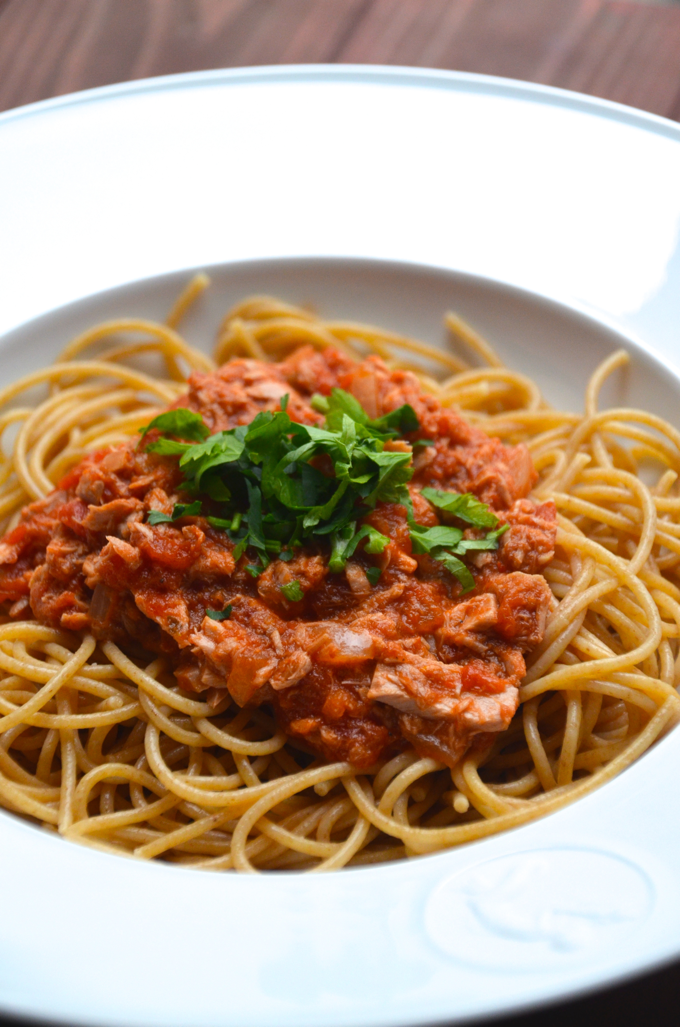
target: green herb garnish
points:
(271, 485)
(447, 544)
(186, 424)
(398, 422)
(158, 517)
(275, 485)
(373, 574)
(293, 591)
(463, 505)
(224, 614)
(179, 510)
(346, 540)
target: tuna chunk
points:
(308, 571)
(467, 622)
(529, 543)
(244, 657)
(524, 601)
(110, 516)
(310, 371)
(410, 689)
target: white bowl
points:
(466, 172)
(561, 904)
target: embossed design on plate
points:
(539, 909)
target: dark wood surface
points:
(619, 50)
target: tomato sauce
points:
(352, 671)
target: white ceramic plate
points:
(568, 197)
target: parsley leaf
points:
(373, 574)
(394, 470)
(341, 402)
(455, 567)
(179, 510)
(463, 505)
(293, 591)
(224, 614)
(223, 448)
(397, 422)
(158, 517)
(226, 524)
(319, 403)
(345, 542)
(446, 543)
(186, 510)
(185, 424)
(402, 420)
(168, 447)
(424, 540)
(490, 541)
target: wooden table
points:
(616, 49)
(619, 50)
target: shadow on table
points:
(654, 998)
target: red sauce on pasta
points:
(352, 670)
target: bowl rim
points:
(392, 74)
(385, 75)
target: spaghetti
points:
(110, 751)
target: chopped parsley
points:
(224, 614)
(346, 540)
(274, 485)
(179, 510)
(373, 574)
(158, 517)
(463, 505)
(186, 424)
(447, 544)
(293, 591)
